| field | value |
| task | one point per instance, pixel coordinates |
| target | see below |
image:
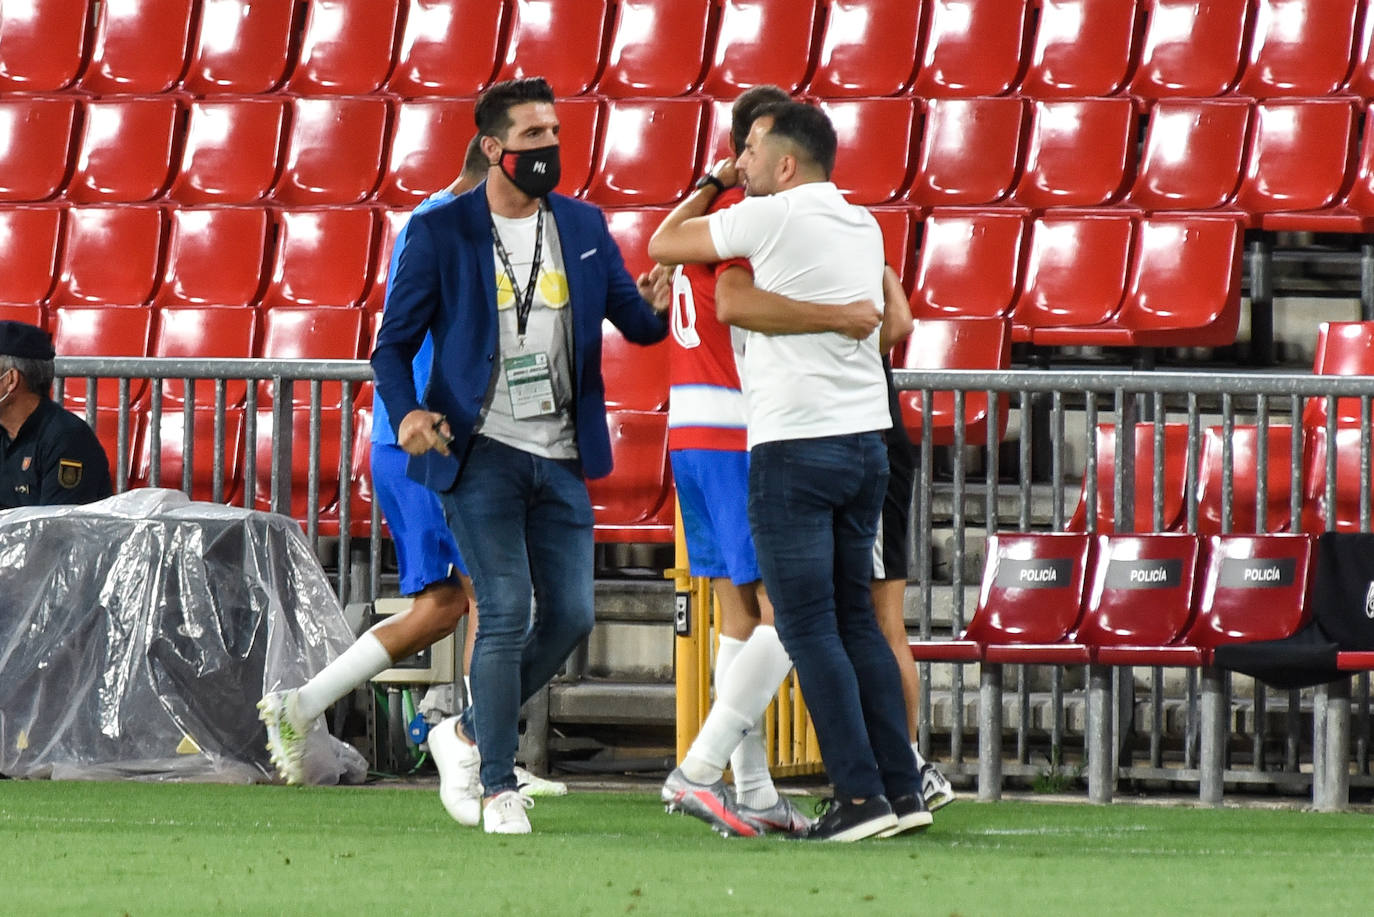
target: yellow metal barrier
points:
(790, 739)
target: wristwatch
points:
(709, 179)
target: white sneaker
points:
(460, 779)
(505, 814)
(935, 788)
(286, 734)
(530, 785)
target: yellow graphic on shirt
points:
(553, 290)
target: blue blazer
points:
(445, 284)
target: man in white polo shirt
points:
(816, 410)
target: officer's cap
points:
(27, 342)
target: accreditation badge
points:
(530, 385)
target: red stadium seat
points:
(898, 225)
(1192, 156)
(29, 241)
(177, 456)
(558, 41)
(448, 47)
(1076, 271)
(1353, 209)
(333, 150)
(1361, 81)
(1319, 514)
(212, 333)
(124, 149)
(426, 137)
(971, 48)
(579, 125)
(389, 227)
(320, 257)
(35, 155)
(42, 45)
(634, 503)
(360, 487)
(1140, 598)
(867, 48)
(636, 377)
(1079, 153)
(101, 332)
(1343, 349)
(122, 461)
(657, 48)
(1184, 289)
(324, 508)
(1300, 156)
(875, 139)
(230, 148)
(110, 256)
(240, 46)
(1245, 467)
(1031, 598)
(138, 45)
(1254, 587)
(963, 343)
(944, 173)
(1080, 48)
(1173, 463)
(648, 153)
(215, 256)
(310, 333)
(761, 42)
(969, 263)
(29, 315)
(1190, 48)
(345, 48)
(1299, 47)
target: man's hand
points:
(725, 170)
(657, 288)
(421, 431)
(858, 319)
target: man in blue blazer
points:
(513, 282)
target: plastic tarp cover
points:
(138, 633)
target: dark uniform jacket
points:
(55, 459)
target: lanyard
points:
(523, 301)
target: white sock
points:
(467, 688)
(726, 654)
(361, 661)
(920, 762)
(749, 761)
(741, 699)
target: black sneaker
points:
(912, 815)
(838, 820)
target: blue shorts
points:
(713, 490)
(426, 551)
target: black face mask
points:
(535, 172)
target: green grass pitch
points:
(146, 849)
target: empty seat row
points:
(1084, 277)
(832, 48)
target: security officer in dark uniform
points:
(47, 454)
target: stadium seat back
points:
(448, 47)
(1245, 470)
(422, 156)
(230, 150)
(205, 333)
(648, 153)
(875, 141)
(1190, 48)
(969, 263)
(389, 227)
(240, 46)
(657, 48)
(1319, 513)
(579, 127)
(320, 257)
(1076, 272)
(962, 343)
(561, 42)
(30, 238)
(42, 45)
(1079, 152)
(762, 42)
(138, 46)
(1141, 590)
(1193, 153)
(1342, 349)
(111, 255)
(36, 154)
(866, 48)
(1080, 48)
(971, 48)
(1299, 47)
(101, 332)
(177, 454)
(1254, 587)
(1300, 155)
(944, 173)
(325, 506)
(310, 333)
(1174, 465)
(123, 149)
(1185, 281)
(1033, 588)
(215, 256)
(333, 150)
(628, 503)
(345, 48)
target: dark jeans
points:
(524, 526)
(813, 509)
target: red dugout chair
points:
(634, 503)
(1077, 268)
(213, 333)
(875, 139)
(1078, 153)
(319, 257)
(1173, 463)
(229, 151)
(648, 152)
(1300, 156)
(1140, 599)
(422, 154)
(101, 332)
(1245, 471)
(1192, 155)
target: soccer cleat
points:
(530, 785)
(505, 813)
(459, 765)
(286, 734)
(912, 815)
(712, 804)
(935, 788)
(850, 821)
(781, 817)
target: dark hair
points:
(745, 110)
(475, 161)
(493, 106)
(808, 129)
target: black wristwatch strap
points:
(709, 179)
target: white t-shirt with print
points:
(551, 435)
(810, 244)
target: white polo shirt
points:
(810, 244)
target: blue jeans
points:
(814, 507)
(524, 526)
